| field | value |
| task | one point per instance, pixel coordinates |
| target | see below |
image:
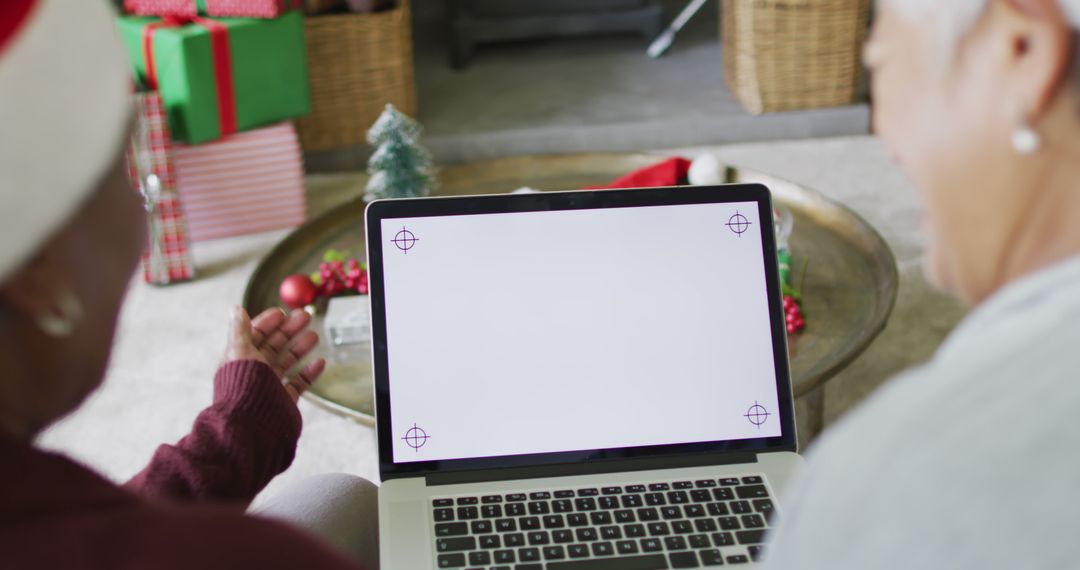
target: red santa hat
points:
(65, 106)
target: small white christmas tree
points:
(400, 167)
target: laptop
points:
(579, 380)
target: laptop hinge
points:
(588, 468)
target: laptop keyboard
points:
(681, 524)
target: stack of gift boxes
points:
(221, 79)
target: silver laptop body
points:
(579, 380)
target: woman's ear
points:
(1039, 53)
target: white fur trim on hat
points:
(65, 106)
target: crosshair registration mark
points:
(416, 437)
(738, 223)
(405, 240)
(757, 414)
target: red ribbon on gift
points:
(219, 47)
(205, 5)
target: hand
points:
(280, 340)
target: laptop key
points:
(678, 497)
(443, 515)
(648, 514)
(491, 511)
(554, 521)
(635, 488)
(694, 511)
(751, 536)
(562, 536)
(757, 553)
(699, 541)
(600, 518)
(540, 496)
(578, 550)
(490, 541)
(577, 519)
(671, 513)
(505, 557)
(740, 507)
(683, 560)
(640, 562)
(764, 506)
(682, 527)
(489, 499)
(723, 539)
(658, 529)
(737, 559)
(611, 490)
(539, 538)
(700, 495)
(705, 525)
(723, 494)
(514, 539)
(609, 502)
(515, 510)
(529, 523)
(705, 483)
(442, 502)
(752, 480)
(631, 501)
(603, 549)
(634, 530)
(718, 509)
(651, 545)
(564, 494)
(586, 534)
(626, 547)
(711, 557)
(515, 497)
(562, 506)
(451, 529)
(554, 553)
(467, 500)
(610, 533)
(455, 544)
(675, 543)
(751, 492)
(625, 516)
(591, 492)
(655, 499)
(729, 523)
(539, 508)
(586, 504)
(481, 558)
(529, 554)
(451, 560)
(729, 481)
(682, 485)
(659, 487)
(481, 527)
(467, 513)
(753, 521)
(506, 525)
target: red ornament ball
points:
(297, 291)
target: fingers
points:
(296, 321)
(239, 334)
(265, 324)
(297, 385)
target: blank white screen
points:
(571, 330)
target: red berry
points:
(362, 288)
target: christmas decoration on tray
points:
(338, 275)
(167, 257)
(400, 167)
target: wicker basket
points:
(357, 63)
(793, 54)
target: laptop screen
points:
(541, 332)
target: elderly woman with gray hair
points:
(970, 460)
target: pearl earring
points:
(62, 325)
(1025, 139)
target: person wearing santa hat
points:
(71, 232)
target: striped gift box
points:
(245, 183)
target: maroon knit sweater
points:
(184, 510)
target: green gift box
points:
(221, 75)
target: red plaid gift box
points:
(245, 183)
(217, 8)
(167, 257)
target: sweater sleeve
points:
(236, 446)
